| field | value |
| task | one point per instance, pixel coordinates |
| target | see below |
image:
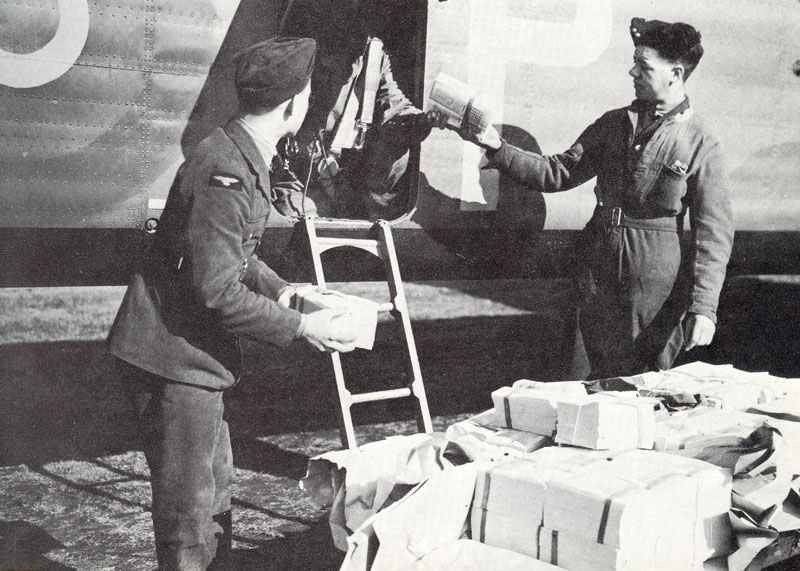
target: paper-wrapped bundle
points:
(732, 396)
(605, 422)
(363, 311)
(718, 386)
(640, 501)
(575, 388)
(508, 506)
(686, 429)
(482, 441)
(533, 408)
(576, 553)
(646, 504)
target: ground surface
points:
(74, 492)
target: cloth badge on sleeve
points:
(679, 167)
(223, 180)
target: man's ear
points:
(289, 109)
(678, 72)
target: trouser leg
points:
(187, 447)
(223, 476)
(630, 322)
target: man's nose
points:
(633, 71)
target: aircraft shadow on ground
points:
(62, 400)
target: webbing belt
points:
(612, 217)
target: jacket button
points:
(637, 148)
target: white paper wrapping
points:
(468, 555)
(357, 483)
(431, 516)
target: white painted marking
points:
(498, 37)
(56, 57)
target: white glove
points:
(699, 331)
(488, 139)
(329, 330)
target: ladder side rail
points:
(401, 308)
(346, 430)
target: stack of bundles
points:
(603, 421)
(508, 506)
(481, 440)
(532, 406)
(581, 509)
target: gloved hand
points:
(413, 128)
(329, 330)
(489, 138)
(698, 331)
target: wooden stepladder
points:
(379, 242)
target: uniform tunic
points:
(177, 335)
(203, 285)
(635, 282)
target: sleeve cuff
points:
(493, 155)
(704, 311)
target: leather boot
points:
(224, 540)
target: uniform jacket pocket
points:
(669, 189)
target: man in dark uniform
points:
(360, 174)
(177, 332)
(641, 298)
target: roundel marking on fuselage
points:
(56, 57)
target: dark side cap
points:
(673, 41)
(270, 72)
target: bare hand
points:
(698, 330)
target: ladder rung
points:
(327, 242)
(345, 223)
(381, 395)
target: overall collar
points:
(645, 118)
(640, 106)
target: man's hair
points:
(678, 42)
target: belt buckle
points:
(616, 216)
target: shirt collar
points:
(265, 145)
